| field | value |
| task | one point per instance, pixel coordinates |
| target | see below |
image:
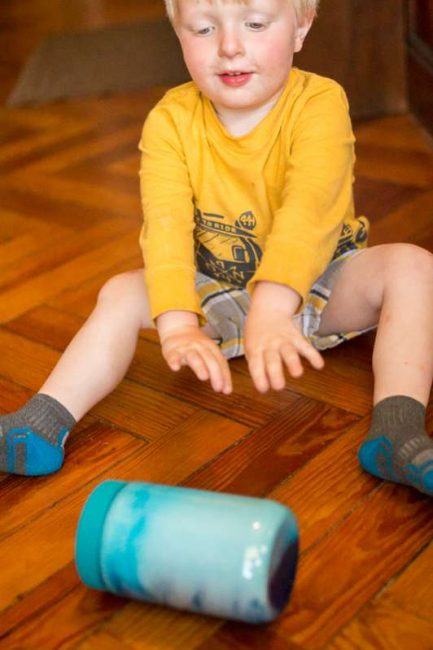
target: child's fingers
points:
(206, 361)
(291, 359)
(197, 364)
(226, 374)
(213, 370)
(174, 360)
(220, 376)
(311, 354)
(274, 369)
(256, 366)
(210, 364)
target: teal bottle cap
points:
(89, 532)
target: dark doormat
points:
(100, 61)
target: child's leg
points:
(392, 285)
(96, 360)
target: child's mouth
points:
(235, 79)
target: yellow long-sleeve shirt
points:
(275, 204)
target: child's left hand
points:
(272, 343)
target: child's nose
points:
(230, 44)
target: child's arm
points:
(316, 199)
(184, 343)
(168, 250)
(272, 341)
(316, 194)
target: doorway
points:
(420, 60)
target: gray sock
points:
(397, 446)
(24, 434)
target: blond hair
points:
(304, 8)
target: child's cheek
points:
(195, 57)
(275, 54)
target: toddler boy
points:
(251, 245)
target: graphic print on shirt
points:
(351, 240)
(225, 252)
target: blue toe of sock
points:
(427, 482)
(376, 457)
(367, 456)
(31, 455)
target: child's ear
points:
(301, 33)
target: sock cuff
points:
(398, 410)
(43, 403)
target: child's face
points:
(255, 40)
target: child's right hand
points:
(188, 345)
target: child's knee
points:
(125, 294)
(116, 289)
(409, 263)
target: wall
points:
(420, 59)
(361, 44)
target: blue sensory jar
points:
(206, 552)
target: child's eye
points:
(204, 31)
(256, 27)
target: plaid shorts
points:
(225, 308)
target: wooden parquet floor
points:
(70, 217)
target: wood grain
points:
(385, 626)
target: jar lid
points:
(89, 532)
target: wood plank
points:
(99, 145)
(328, 488)
(12, 396)
(22, 247)
(397, 132)
(413, 589)
(90, 451)
(58, 210)
(51, 327)
(143, 411)
(235, 636)
(335, 382)
(244, 405)
(104, 640)
(62, 189)
(38, 290)
(40, 600)
(276, 450)
(350, 565)
(378, 198)
(60, 250)
(125, 167)
(385, 627)
(381, 162)
(81, 303)
(77, 609)
(331, 385)
(409, 223)
(94, 172)
(35, 142)
(35, 361)
(13, 224)
(139, 626)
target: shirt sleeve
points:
(317, 194)
(166, 237)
